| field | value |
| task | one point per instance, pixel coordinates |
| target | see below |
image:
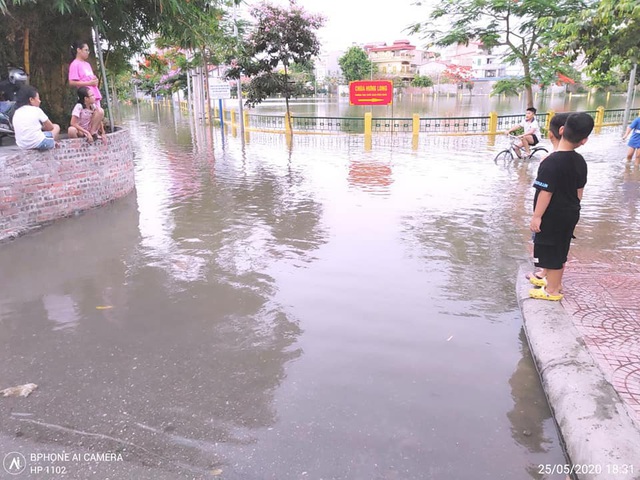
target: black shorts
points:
(536, 140)
(551, 256)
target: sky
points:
(362, 21)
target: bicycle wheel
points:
(505, 157)
(536, 150)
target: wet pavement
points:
(319, 312)
(602, 300)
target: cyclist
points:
(531, 134)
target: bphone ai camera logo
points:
(14, 463)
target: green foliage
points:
(510, 87)
(510, 23)
(421, 81)
(124, 25)
(355, 65)
(281, 37)
(606, 32)
(605, 80)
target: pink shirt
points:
(81, 71)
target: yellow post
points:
(233, 118)
(493, 123)
(599, 120)
(287, 124)
(368, 120)
(245, 116)
(416, 124)
(548, 118)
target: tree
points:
(421, 81)
(46, 29)
(510, 23)
(355, 65)
(280, 38)
(606, 32)
(510, 87)
(459, 74)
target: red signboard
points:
(370, 92)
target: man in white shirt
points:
(531, 134)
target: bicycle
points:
(506, 156)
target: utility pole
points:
(627, 108)
(98, 46)
(239, 84)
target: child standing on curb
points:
(559, 186)
(557, 121)
(634, 141)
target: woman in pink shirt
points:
(80, 71)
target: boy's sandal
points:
(542, 294)
(534, 279)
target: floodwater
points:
(406, 105)
(314, 312)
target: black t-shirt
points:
(561, 173)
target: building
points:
(397, 60)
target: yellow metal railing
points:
(491, 124)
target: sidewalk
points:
(587, 350)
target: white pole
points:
(238, 85)
(630, 90)
(98, 46)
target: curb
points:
(600, 438)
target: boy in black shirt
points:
(556, 204)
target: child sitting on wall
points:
(32, 127)
(86, 118)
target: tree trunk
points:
(45, 43)
(527, 82)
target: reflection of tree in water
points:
(188, 365)
(475, 255)
(530, 409)
(477, 248)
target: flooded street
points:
(319, 312)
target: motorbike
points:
(8, 90)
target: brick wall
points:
(38, 187)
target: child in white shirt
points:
(32, 127)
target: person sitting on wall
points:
(86, 118)
(33, 129)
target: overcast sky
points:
(362, 21)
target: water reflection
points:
(529, 412)
(62, 310)
(278, 307)
(444, 106)
(371, 176)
